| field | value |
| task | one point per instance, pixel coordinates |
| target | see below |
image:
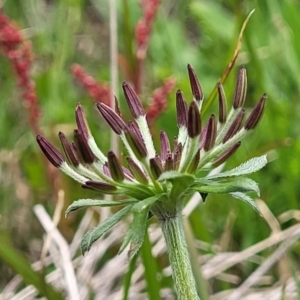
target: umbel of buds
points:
(157, 182)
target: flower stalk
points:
(173, 231)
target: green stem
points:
(173, 231)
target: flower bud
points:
(181, 109)
(222, 104)
(164, 145)
(102, 187)
(83, 149)
(223, 157)
(155, 167)
(235, 126)
(211, 134)
(115, 168)
(195, 85)
(114, 120)
(81, 121)
(194, 121)
(52, 154)
(136, 143)
(136, 171)
(69, 150)
(240, 89)
(256, 113)
(133, 101)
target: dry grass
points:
(79, 277)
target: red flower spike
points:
(159, 99)
(99, 92)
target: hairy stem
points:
(179, 258)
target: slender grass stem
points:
(179, 258)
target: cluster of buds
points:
(157, 182)
(19, 52)
(97, 91)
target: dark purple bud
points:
(69, 150)
(256, 113)
(128, 175)
(181, 108)
(164, 145)
(240, 89)
(169, 162)
(194, 163)
(106, 170)
(203, 135)
(83, 149)
(195, 85)
(177, 156)
(102, 187)
(134, 127)
(235, 126)
(224, 156)
(194, 121)
(136, 143)
(82, 124)
(155, 167)
(136, 171)
(211, 134)
(114, 120)
(52, 154)
(133, 101)
(222, 104)
(115, 167)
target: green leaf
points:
(135, 234)
(250, 166)
(239, 185)
(138, 230)
(246, 199)
(81, 203)
(21, 266)
(93, 235)
(146, 203)
(137, 191)
(180, 182)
